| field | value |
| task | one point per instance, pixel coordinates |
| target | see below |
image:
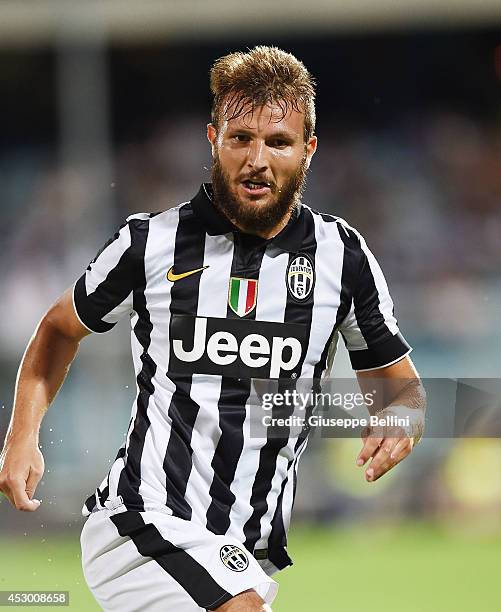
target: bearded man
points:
(242, 283)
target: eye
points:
(241, 138)
(278, 143)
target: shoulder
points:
(336, 227)
(142, 221)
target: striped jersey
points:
(212, 311)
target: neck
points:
(269, 233)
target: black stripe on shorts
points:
(181, 566)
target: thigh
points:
(224, 559)
(249, 601)
(152, 561)
(123, 580)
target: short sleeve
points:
(104, 293)
(370, 329)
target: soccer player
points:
(243, 282)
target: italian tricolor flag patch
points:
(242, 295)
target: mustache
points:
(260, 178)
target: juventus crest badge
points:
(300, 277)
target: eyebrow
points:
(286, 135)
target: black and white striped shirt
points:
(211, 309)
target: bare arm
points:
(402, 386)
(42, 371)
(399, 386)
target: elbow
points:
(55, 326)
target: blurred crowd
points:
(426, 194)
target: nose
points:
(256, 158)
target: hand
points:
(21, 469)
(387, 446)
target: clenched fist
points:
(21, 469)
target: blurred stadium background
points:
(104, 108)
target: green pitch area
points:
(411, 568)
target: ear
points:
(311, 147)
(211, 136)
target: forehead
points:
(265, 118)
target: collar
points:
(289, 239)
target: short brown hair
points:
(262, 76)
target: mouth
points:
(255, 187)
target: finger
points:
(5, 490)
(381, 471)
(371, 444)
(20, 497)
(32, 482)
(395, 457)
(381, 458)
(402, 449)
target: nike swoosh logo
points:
(172, 277)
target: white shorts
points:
(151, 561)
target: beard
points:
(256, 218)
